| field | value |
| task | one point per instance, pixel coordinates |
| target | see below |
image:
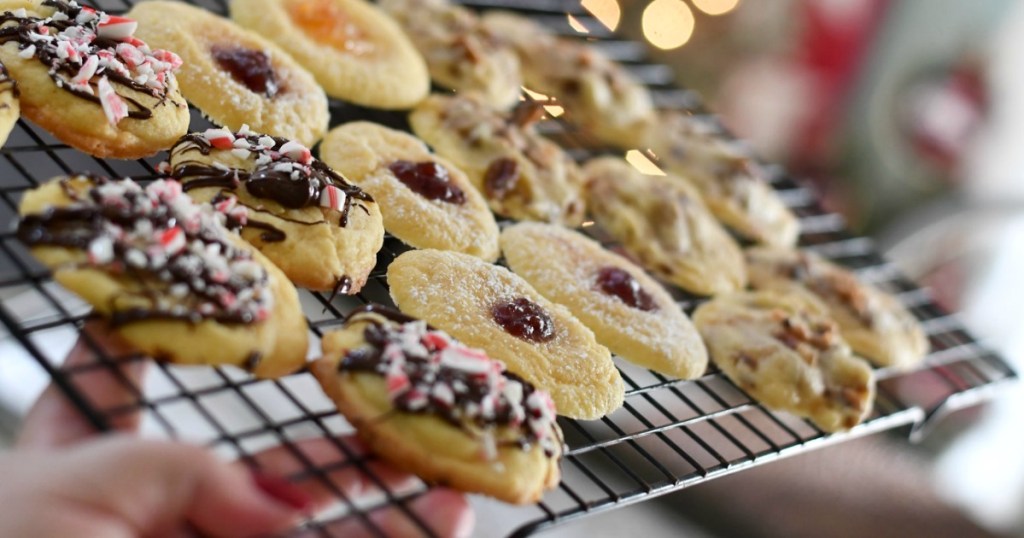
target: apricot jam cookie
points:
(443, 411)
(522, 174)
(234, 76)
(734, 186)
(663, 223)
(461, 53)
(166, 272)
(321, 230)
(425, 200)
(875, 324)
(489, 307)
(598, 94)
(85, 78)
(786, 352)
(10, 110)
(356, 52)
(628, 311)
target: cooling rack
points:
(670, 434)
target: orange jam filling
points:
(326, 22)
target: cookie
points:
(87, 80)
(598, 95)
(234, 76)
(786, 352)
(491, 308)
(356, 52)
(10, 110)
(628, 311)
(166, 272)
(461, 53)
(425, 200)
(522, 174)
(734, 186)
(321, 230)
(875, 324)
(436, 408)
(662, 222)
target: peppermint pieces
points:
(426, 371)
(177, 253)
(89, 52)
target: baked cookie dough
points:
(489, 307)
(599, 95)
(461, 53)
(356, 52)
(321, 230)
(10, 110)
(87, 80)
(522, 174)
(734, 186)
(425, 200)
(234, 76)
(443, 411)
(628, 311)
(786, 352)
(166, 272)
(663, 223)
(875, 324)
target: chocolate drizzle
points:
(177, 254)
(428, 179)
(621, 285)
(427, 372)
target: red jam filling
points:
(524, 319)
(249, 67)
(618, 283)
(428, 179)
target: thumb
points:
(158, 486)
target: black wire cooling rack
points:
(670, 434)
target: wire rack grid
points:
(668, 435)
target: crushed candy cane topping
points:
(178, 250)
(427, 371)
(88, 53)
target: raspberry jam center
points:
(618, 283)
(428, 179)
(524, 319)
(249, 67)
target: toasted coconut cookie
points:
(356, 52)
(489, 307)
(321, 230)
(443, 411)
(875, 324)
(628, 311)
(598, 94)
(234, 76)
(461, 53)
(734, 186)
(167, 273)
(522, 174)
(787, 353)
(87, 80)
(425, 200)
(10, 110)
(663, 223)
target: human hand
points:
(63, 479)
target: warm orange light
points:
(326, 22)
(575, 24)
(715, 7)
(607, 12)
(668, 24)
(553, 110)
(642, 163)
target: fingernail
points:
(283, 491)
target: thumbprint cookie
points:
(321, 230)
(663, 223)
(234, 76)
(87, 79)
(425, 200)
(355, 51)
(443, 411)
(875, 324)
(522, 174)
(491, 308)
(628, 311)
(167, 273)
(786, 352)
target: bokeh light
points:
(575, 24)
(716, 7)
(643, 163)
(607, 12)
(668, 24)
